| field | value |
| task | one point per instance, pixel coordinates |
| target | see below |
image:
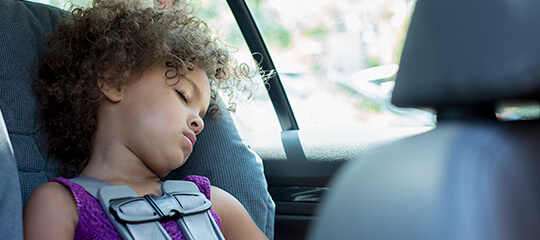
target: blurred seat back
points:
(220, 154)
(10, 197)
(473, 176)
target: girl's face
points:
(161, 119)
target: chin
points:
(180, 163)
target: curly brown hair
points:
(120, 39)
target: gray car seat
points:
(220, 154)
(473, 176)
(10, 199)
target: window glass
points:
(251, 114)
(337, 59)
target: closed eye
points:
(183, 96)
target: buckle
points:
(161, 207)
(130, 214)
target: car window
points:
(337, 59)
(258, 112)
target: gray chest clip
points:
(137, 218)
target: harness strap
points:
(194, 226)
(138, 218)
(91, 185)
(144, 230)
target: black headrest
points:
(470, 52)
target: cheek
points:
(163, 120)
(154, 122)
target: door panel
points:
(299, 166)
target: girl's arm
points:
(50, 213)
(235, 220)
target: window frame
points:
(260, 53)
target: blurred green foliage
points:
(266, 20)
(318, 32)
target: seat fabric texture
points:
(473, 176)
(220, 154)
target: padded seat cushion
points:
(23, 28)
(219, 153)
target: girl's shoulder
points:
(52, 193)
(74, 188)
(50, 212)
(237, 221)
(92, 223)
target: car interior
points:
(473, 176)
(363, 159)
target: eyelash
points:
(183, 95)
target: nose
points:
(196, 124)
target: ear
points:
(112, 93)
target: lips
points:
(191, 137)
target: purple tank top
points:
(94, 224)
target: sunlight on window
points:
(338, 59)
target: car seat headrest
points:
(465, 52)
